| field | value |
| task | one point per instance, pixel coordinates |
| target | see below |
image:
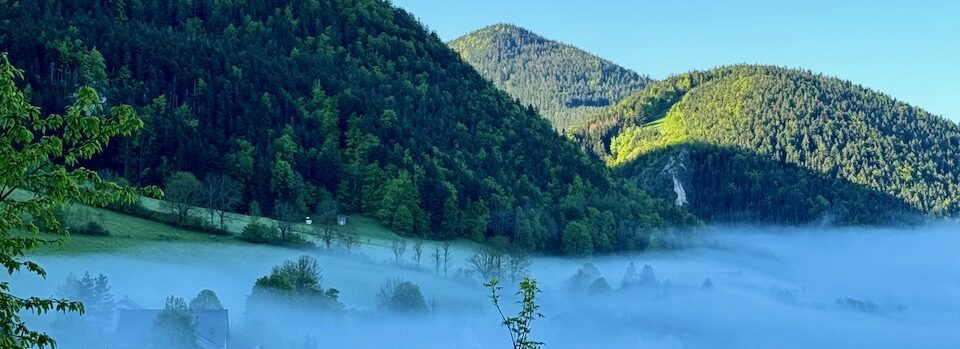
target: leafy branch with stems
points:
(520, 326)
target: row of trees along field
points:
(300, 101)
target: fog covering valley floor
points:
(772, 288)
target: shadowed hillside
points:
(727, 184)
(310, 105)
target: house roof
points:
(133, 325)
(127, 303)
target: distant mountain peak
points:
(504, 28)
(565, 83)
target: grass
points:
(127, 232)
(131, 232)
(655, 123)
(369, 228)
(363, 226)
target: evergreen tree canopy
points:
(564, 83)
(781, 145)
(301, 100)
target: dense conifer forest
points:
(564, 83)
(782, 145)
(309, 104)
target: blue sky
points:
(907, 49)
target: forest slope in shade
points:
(781, 145)
(564, 83)
(307, 101)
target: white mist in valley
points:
(768, 287)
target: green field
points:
(128, 231)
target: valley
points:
(212, 174)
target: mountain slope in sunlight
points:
(734, 125)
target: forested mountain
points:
(781, 145)
(307, 102)
(563, 82)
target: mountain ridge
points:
(565, 83)
(311, 105)
(829, 126)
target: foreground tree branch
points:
(40, 156)
(520, 325)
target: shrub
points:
(206, 300)
(78, 220)
(295, 239)
(193, 223)
(134, 209)
(90, 229)
(402, 297)
(204, 225)
(295, 283)
(600, 285)
(167, 237)
(258, 233)
(72, 217)
(65, 216)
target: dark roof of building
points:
(134, 325)
(127, 303)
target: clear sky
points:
(907, 49)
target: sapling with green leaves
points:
(520, 326)
(40, 171)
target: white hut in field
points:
(341, 219)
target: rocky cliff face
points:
(672, 179)
(681, 193)
(676, 168)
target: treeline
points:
(303, 102)
(831, 130)
(564, 83)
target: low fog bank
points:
(768, 287)
(776, 287)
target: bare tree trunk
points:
(447, 257)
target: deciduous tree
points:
(39, 171)
(417, 251)
(401, 296)
(174, 327)
(223, 194)
(206, 300)
(488, 262)
(327, 234)
(183, 194)
(398, 247)
(348, 240)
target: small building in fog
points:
(134, 327)
(341, 219)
